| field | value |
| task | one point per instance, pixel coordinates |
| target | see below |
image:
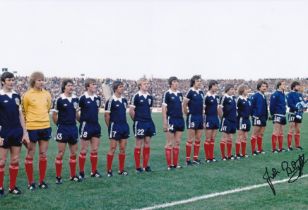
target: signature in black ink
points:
(294, 170)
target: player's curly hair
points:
(260, 83)
(279, 83)
(64, 83)
(36, 76)
(194, 79)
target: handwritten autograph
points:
(294, 170)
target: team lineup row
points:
(26, 120)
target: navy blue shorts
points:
(243, 124)
(144, 129)
(280, 119)
(175, 124)
(227, 126)
(194, 122)
(211, 122)
(261, 122)
(292, 118)
(118, 131)
(67, 134)
(11, 136)
(89, 130)
(39, 134)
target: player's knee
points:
(2, 162)
(60, 154)
(94, 150)
(15, 160)
(43, 154)
(122, 150)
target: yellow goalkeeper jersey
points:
(36, 105)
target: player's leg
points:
(14, 167)
(176, 148)
(297, 136)
(73, 162)
(260, 140)
(168, 148)
(29, 164)
(254, 135)
(197, 142)
(275, 135)
(59, 162)
(212, 144)
(122, 155)
(84, 144)
(223, 142)
(94, 156)
(244, 143)
(229, 137)
(207, 144)
(189, 142)
(137, 153)
(238, 143)
(43, 147)
(3, 155)
(280, 137)
(146, 153)
(110, 155)
(290, 134)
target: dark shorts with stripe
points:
(67, 134)
(12, 137)
(243, 124)
(211, 122)
(227, 126)
(292, 118)
(89, 130)
(118, 131)
(175, 124)
(280, 119)
(194, 122)
(144, 129)
(40, 134)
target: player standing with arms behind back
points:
(90, 129)
(259, 117)
(36, 103)
(65, 114)
(278, 113)
(173, 122)
(118, 129)
(144, 128)
(12, 131)
(193, 107)
(297, 105)
(211, 101)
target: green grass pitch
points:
(162, 186)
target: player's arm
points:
(24, 105)
(220, 107)
(25, 137)
(291, 102)
(55, 111)
(107, 112)
(132, 108)
(272, 106)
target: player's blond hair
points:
(140, 81)
(36, 76)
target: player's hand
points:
(25, 139)
(1, 141)
(165, 126)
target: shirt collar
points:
(88, 96)
(243, 97)
(115, 98)
(196, 90)
(227, 96)
(63, 96)
(174, 92)
(7, 93)
(210, 94)
(143, 94)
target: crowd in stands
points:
(157, 86)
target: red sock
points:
(168, 156)
(29, 169)
(196, 149)
(297, 140)
(13, 175)
(211, 150)
(243, 146)
(82, 161)
(289, 140)
(121, 161)
(229, 148)
(176, 151)
(237, 148)
(1, 175)
(137, 157)
(222, 149)
(188, 151)
(259, 142)
(146, 156)
(274, 139)
(42, 168)
(93, 159)
(280, 141)
(58, 164)
(109, 162)
(253, 144)
(207, 149)
(72, 163)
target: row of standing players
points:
(27, 121)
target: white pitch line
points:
(212, 195)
